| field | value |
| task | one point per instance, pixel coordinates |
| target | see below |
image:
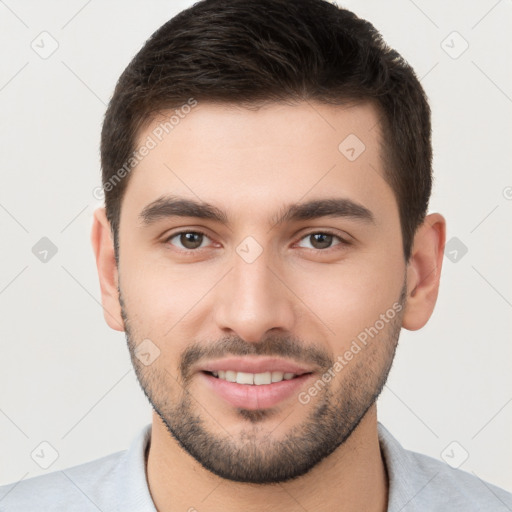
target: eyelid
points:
(167, 238)
(343, 240)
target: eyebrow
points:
(173, 206)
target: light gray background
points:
(66, 378)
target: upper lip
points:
(255, 365)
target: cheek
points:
(160, 299)
(350, 296)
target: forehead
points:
(254, 161)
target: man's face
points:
(248, 295)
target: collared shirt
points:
(118, 483)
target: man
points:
(267, 172)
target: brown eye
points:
(322, 240)
(189, 240)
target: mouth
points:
(254, 379)
(254, 383)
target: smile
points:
(256, 379)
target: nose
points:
(253, 299)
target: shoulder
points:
(82, 488)
(455, 489)
(419, 482)
(116, 482)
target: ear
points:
(103, 247)
(424, 271)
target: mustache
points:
(288, 347)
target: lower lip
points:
(255, 397)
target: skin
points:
(250, 164)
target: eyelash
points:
(323, 232)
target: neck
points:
(352, 478)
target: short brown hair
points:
(247, 52)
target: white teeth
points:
(262, 378)
(256, 379)
(245, 378)
(277, 376)
(230, 376)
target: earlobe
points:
(103, 248)
(424, 272)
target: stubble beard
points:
(255, 456)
